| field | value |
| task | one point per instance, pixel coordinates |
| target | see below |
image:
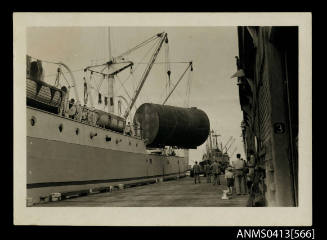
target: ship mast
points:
(210, 144)
(110, 79)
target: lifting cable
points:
(66, 80)
(139, 45)
(189, 66)
(167, 64)
(188, 90)
(146, 54)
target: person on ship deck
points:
(128, 129)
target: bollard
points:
(225, 197)
(55, 197)
(93, 191)
(29, 202)
(44, 199)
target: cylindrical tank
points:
(43, 96)
(163, 125)
(110, 121)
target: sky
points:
(211, 49)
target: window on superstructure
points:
(108, 139)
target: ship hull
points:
(63, 161)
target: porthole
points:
(77, 131)
(33, 121)
(108, 139)
(61, 127)
(92, 135)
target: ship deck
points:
(174, 193)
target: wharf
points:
(174, 193)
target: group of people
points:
(132, 130)
(239, 174)
(76, 111)
(211, 170)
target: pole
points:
(210, 143)
(110, 79)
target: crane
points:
(163, 36)
(226, 143)
(234, 151)
(230, 145)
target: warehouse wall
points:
(273, 108)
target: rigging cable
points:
(66, 80)
(188, 90)
(137, 66)
(139, 45)
(190, 65)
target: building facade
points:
(267, 72)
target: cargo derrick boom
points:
(146, 73)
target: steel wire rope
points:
(145, 97)
(137, 66)
(161, 62)
(66, 80)
(54, 74)
(101, 81)
(188, 92)
(166, 85)
(138, 46)
(178, 96)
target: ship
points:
(73, 147)
(216, 152)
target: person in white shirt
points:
(238, 166)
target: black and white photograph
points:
(150, 121)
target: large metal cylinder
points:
(163, 125)
(110, 121)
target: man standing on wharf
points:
(238, 166)
(196, 172)
(215, 172)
